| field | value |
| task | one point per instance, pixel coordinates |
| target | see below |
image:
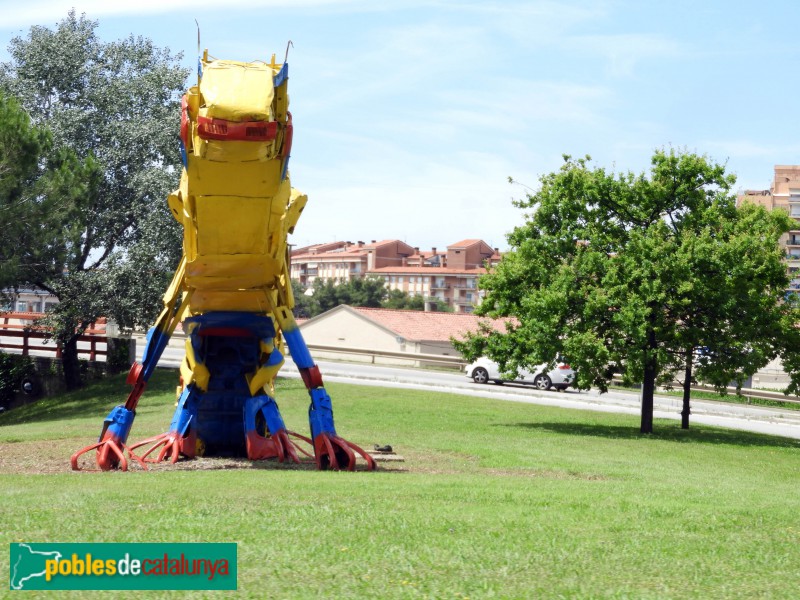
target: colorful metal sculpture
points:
(231, 290)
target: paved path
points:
(735, 416)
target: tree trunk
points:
(70, 363)
(649, 383)
(648, 390)
(687, 391)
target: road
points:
(735, 416)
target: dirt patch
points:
(47, 458)
(41, 458)
(30, 458)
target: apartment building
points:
(450, 276)
(452, 279)
(784, 194)
(344, 261)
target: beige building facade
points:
(783, 194)
(379, 330)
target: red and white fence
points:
(19, 336)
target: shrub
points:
(13, 370)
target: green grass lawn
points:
(494, 499)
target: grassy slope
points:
(495, 499)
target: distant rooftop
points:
(416, 325)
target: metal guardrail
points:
(749, 393)
(451, 361)
(178, 337)
(752, 393)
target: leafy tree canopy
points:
(41, 192)
(649, 276)
(370, 292)
(115, 106)
(400, 300)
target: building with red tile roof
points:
(344, 261)
(382, 329)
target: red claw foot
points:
(110, 455)
(333, 452)
(278, 446)
(172, 445)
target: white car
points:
(561, 377)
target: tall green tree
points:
(302, 302)
(41, 192)
(400, 300)
(368, 291)
(114, 104)
(651, 276)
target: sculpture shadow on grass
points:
(666, 432)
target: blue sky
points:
(410, 116)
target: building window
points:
(22, 307)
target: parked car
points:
(561, 377)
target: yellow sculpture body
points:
(232, 289)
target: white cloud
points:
(393, 192)
(45, 12)
(622, 53)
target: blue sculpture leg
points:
(181, 439)
(117, 425)
(277, 445)
(330, 450)
(111, 445)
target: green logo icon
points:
(86, 566)
(27, 564)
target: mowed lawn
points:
(494, 499)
